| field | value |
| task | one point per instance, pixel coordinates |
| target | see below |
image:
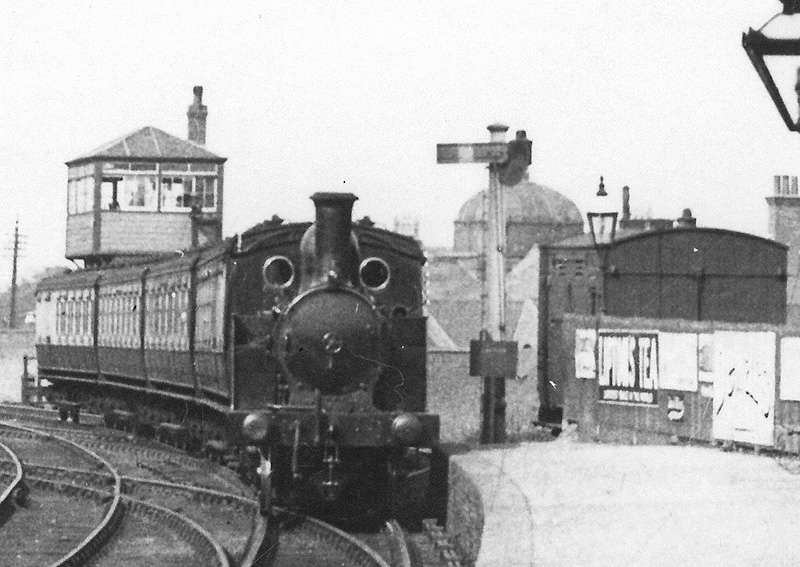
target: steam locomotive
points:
(295, 352)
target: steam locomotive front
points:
(330, 338)
(328, 445)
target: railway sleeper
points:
(121, 419)
(172, 434)
(71, 410)
(216, 449)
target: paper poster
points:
(705, 357)
(628, 367)
(585, 340)
(790, 368)
(744, 386)
(677, 361)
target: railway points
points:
(90, 515)
(167, 522)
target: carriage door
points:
(744, 387)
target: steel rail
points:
(361, 553)
(253, 553)
(6, 497)
(398, 544)
(191, 530)
(44, 414)
(110, 521)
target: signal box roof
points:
(150, 144)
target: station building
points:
(658, 269)
(687, 333)
(145, 193)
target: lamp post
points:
(771, 57)
(603, 227)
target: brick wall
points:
(456, 397)
(465, 514)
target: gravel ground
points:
(593, 505)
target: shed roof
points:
(150, 144)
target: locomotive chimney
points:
(336, 257)
(197, 114)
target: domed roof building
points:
(535, 214)
(456, 309)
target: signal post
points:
(493, 356)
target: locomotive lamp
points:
(776, 58)
(256, 426)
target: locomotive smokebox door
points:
(492, 358)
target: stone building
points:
(535, 215)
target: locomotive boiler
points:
(295, 352)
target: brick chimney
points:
(626, 204)
(784, 226)
(197, 114)
(686, 220)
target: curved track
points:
(108, 523)
(123, 532)
(167, 517)
(12, 493)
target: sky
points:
(354, 96)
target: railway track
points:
(166, 515)
(90, 523)
(137, 457)
(13, 489)
(391, 544)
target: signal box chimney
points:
(197, 114)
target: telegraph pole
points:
(12, 315)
